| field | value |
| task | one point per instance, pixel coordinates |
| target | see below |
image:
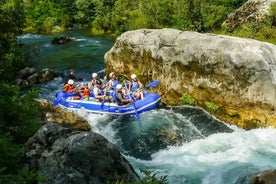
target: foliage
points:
(18, 114)
(187, 99)
(11, 22)
(263, 31)
(212, 106)
(117, 16)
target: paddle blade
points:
(56, 102)
(102, 105)
(152, 84)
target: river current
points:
(184, 143)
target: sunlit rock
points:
(236, 74)
(266, 177)
(63, 117)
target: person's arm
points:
(96, 93)
(140, 85)
(129, 86)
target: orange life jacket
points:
(68, 88)
(85, 92)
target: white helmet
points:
(111, 74)
(94, 75)
(70, 81)
(119, 86)
(133, 76)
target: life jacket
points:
(113, 83)
(134, 85)
(68, 88)
(99, 91)
(114, 96)
(85, 92)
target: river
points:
(184, 143)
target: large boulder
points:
(252, 10)
(238, 75)
(64, 155)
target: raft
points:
(150, 101)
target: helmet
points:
(111, 74)
(133, 76)
(70, 81)
(98, 82)
(119, 86)
(94, 75)
(85, 83)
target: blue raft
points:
(150, 101)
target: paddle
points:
(152, 84)
(56, 101)
(133, 105)
(102, 105)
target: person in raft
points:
(71, 75)
(113, 81)
(100, 93)
(85, 92)
(92, 83)
(120, 97)
(135, 86)
(69, 88)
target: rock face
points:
(252, 10)
(238, 75)
(30, 76)
(266, 177)
(67, 156)
(63, 117)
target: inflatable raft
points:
(150, 101)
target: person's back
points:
(136, 87)
(69, 87)
(85, 92)
(113, 81)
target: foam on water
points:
(219, 158)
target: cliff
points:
(238, 75)
(252, 10)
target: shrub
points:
(212, 106)
(187, 99)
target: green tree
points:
(18, 115)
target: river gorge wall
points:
(236, 74)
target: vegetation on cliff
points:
(117, 16)
(18, 115)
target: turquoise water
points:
(185, 143)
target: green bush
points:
(212, 106)
(187, 99)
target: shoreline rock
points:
(63, 117)
(30, 76)
(63, 155)
(237, 74)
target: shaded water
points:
(185, 143)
